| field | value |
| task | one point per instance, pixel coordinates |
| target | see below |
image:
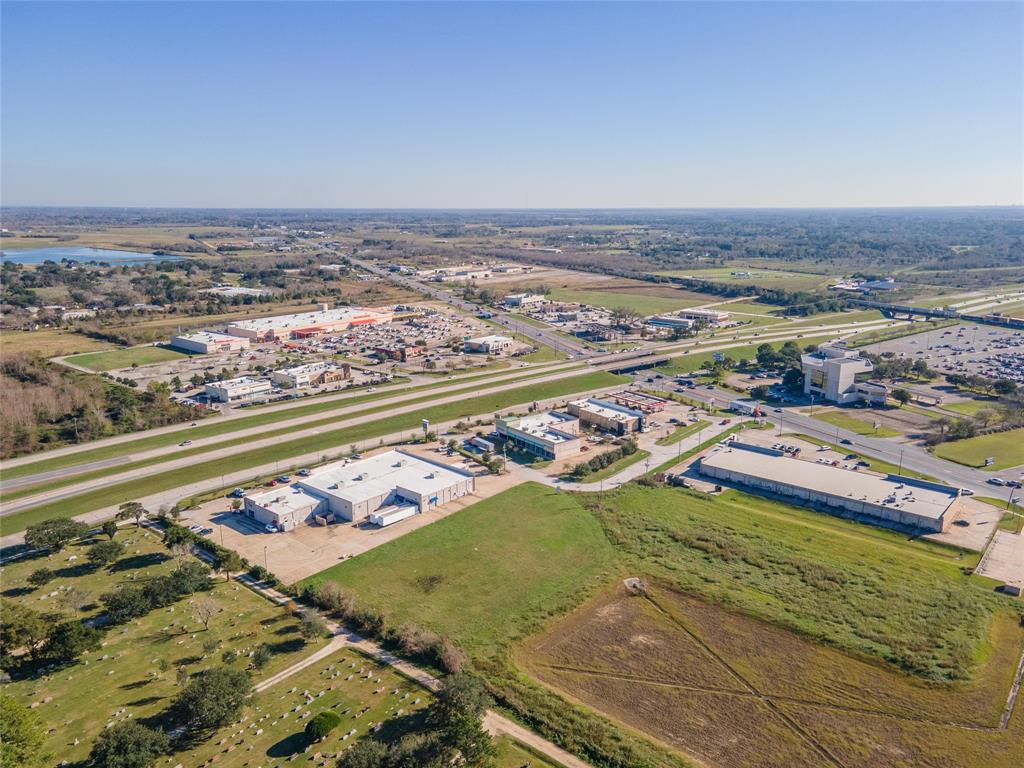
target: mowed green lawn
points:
(288, 449)
(127, 674)
(113, 359)
(694, 361)
(682, 432)
(970, 407)
(488, 574)
(854, 424)
(637, 302)
(766, 278)
(1006, 447)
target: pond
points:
(79, 253)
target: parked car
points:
(271, 483)
(237, 493)
(283, 478)
(303, 473)
(270, 528)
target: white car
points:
(270, 528)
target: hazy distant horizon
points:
(506, 106)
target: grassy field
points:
(1006, 447)
(766, 278)
(897, 332)
(854, 424)
(287, 449)
(749, 307)
(644, 304)
(453, 575)
(127, 669)
(50, 342)
(970, 407)
(909, 605)
(113, 359)
(698, 657)
(868, 593)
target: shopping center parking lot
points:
(967, 349)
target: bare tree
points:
(204, 609)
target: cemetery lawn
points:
(134, 673)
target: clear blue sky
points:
(512, 105)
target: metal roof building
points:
(354, 490)
(893, 501)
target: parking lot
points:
(966, 349)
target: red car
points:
(270, 483)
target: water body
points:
(78, 253)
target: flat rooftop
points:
(284, 500)
(306, 319)
(206, 337)
(607, 410)
(298, 370)
(492, 339)
(241, 381)
(548, 425)
(379, 475)
(925, 499)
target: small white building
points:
(490, 345)
(233, 390)
(208, 342)
(710, 316)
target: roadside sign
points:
(426, 426)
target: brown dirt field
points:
(729, 690)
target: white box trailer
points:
(390, 515)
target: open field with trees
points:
(900, 616)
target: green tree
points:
(54, 534)
(901, 396)
(125, 603)
(214, 698)
(23, 734)
(22, 628)
(71, 639)
(367, 753)
(320, 725)
(260, 656)
(129, 744)
(105, 552)
(40, 577)
(312, 625)
(109, 528)
(228, 561)
(132, 510)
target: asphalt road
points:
(910, 456)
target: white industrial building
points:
(712, 316)
(672, 322)
(523, 299)
(550, 435)
(491, 345)
(831, 372)
(381, 489)
(893, 501)
(306, 324)
(233, 390)
(310, 375)
(208, 342)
